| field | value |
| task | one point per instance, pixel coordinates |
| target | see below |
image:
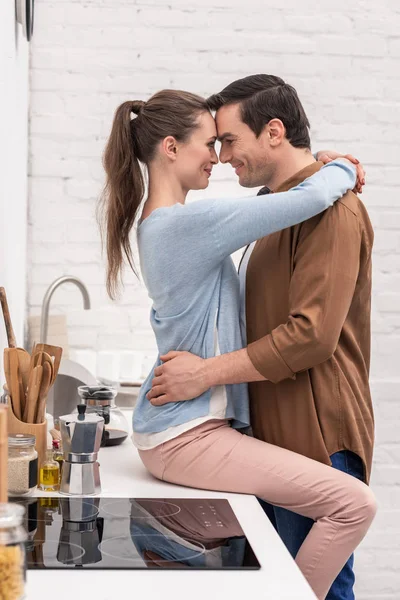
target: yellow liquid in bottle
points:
(49, 477)
(60, 460)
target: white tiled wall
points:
(343, 58)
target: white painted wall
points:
(14, 79)
(342, 57)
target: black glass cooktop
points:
(134, 533)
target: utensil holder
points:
(39, 430)
(3, 453)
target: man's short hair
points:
(266, 97)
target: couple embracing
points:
(282, 346)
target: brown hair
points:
(133, 141)
(266, 97)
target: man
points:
(307, 296)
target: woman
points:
(185, 262)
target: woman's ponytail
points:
(123, 193)
(133, 141)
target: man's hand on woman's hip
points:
(181, 377)
(184, 376)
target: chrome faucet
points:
(44, 320)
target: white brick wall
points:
(342, 57)
(14, 77)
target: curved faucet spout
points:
(44, 321)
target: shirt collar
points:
(300, 176)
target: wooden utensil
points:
(16, 363)
(24, 359)
(3, 452)
(54, 352)
(35, 359)
(55, 434)
(35, 379)
(12, 378)
(40, 358)
(7, 372)
(15, 382)
(7, 319)
(44, 388)
(47, 360)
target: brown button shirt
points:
(308, 303)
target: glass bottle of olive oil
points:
(49, 477)
(58, 456)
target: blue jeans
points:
(293, 528)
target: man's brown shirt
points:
(308, 304)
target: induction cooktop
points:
(134, 533)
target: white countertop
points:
(123, 475)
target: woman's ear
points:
(170, 147)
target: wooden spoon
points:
(7, 319)
(35, 378)
(54, 352)
(12, 378)
(11, 362)
(40, 358)
(44, 388)
(7, 373)
(24, 359)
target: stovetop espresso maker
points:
(81, 438)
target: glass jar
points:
(101, 400)
(12, 551)
(22, 464)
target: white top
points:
(242, 281)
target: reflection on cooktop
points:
(134, 533)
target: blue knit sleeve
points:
(234, 223)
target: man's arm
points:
(320, 294)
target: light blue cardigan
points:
(185, 261)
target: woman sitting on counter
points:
(184, 252)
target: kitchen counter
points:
(123, 475)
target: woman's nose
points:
(214, 158)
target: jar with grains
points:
(12, 552)
(22, 464)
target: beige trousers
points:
(214, 456)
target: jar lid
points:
(11, 515)
(97, 392)
(21, 439)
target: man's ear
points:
(169, 147)
(274, 132)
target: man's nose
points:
(224, 155)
